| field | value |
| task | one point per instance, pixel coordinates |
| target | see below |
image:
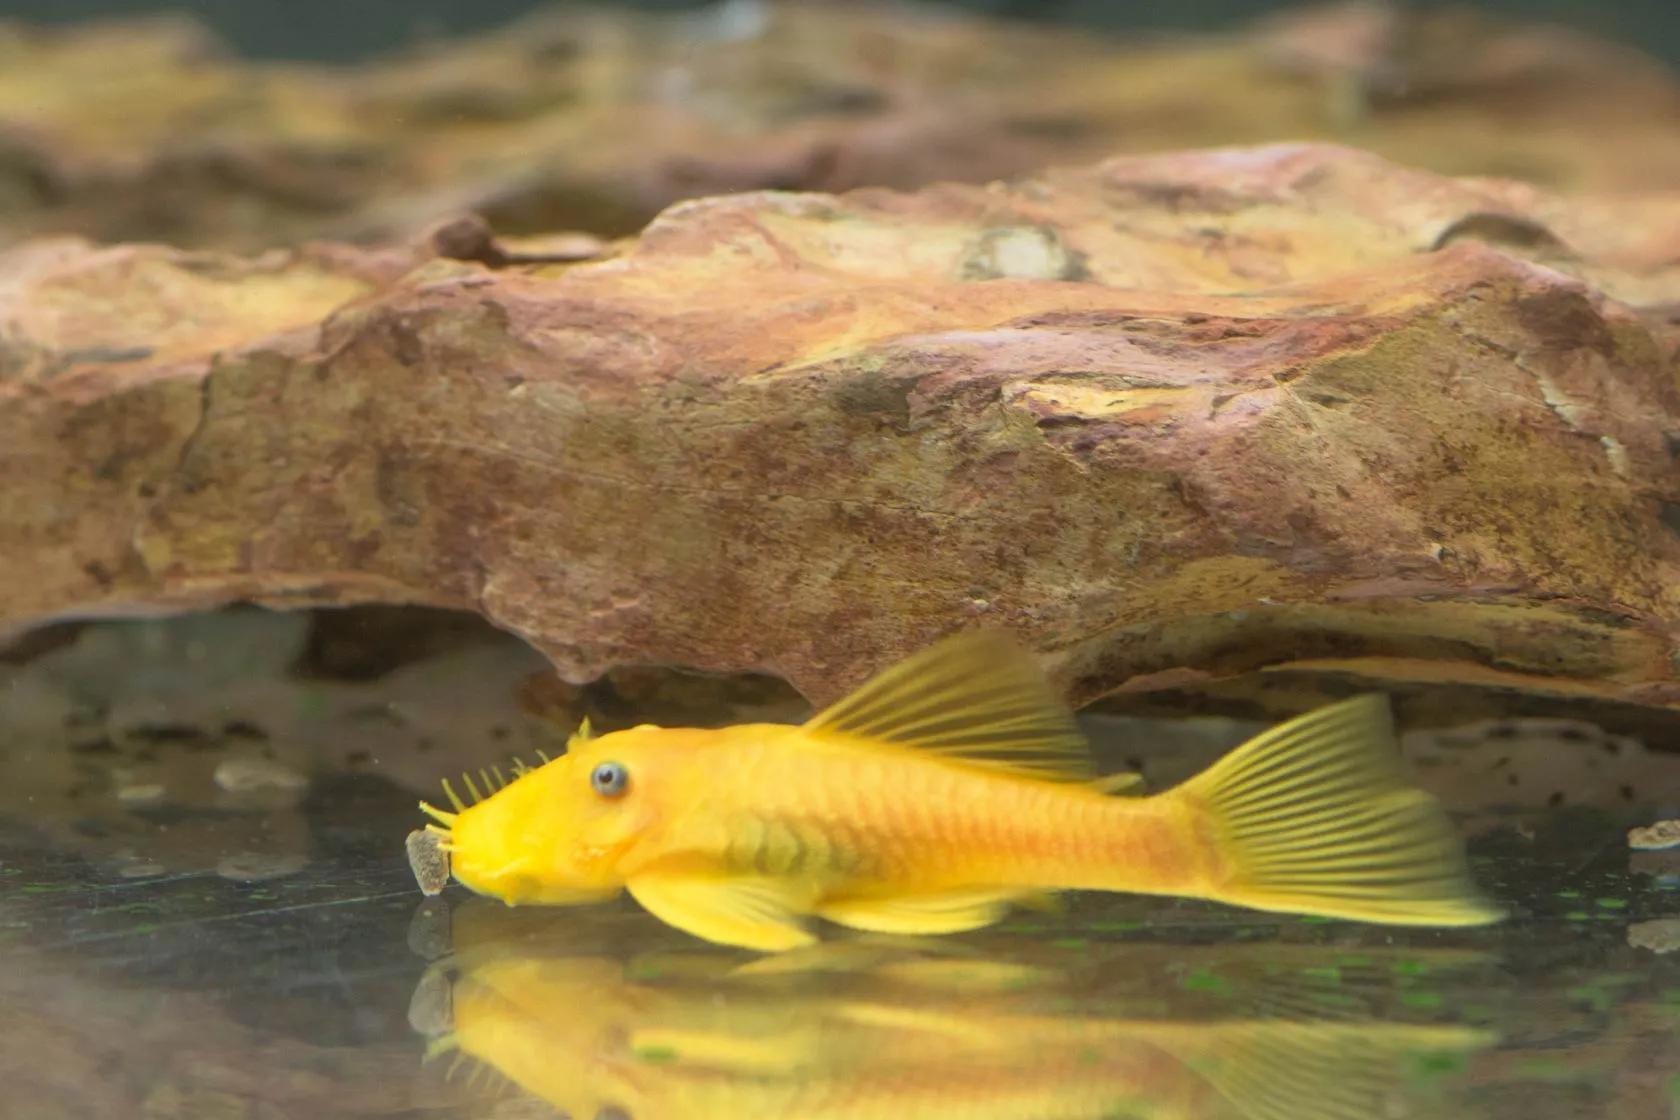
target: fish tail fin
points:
(1326, 1071)
(1315, 816)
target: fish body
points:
(862, 1041)
(948, 789)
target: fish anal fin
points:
(977, 697)
(749, 912)
(1044, 902)
(1120, 785)
(942, 912)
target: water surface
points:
(256, 947)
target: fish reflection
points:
(883, 1029)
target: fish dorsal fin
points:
(977, 698)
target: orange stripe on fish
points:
(950, 787)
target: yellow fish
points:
(596, 1037)
(943, 791)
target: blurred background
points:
(249, 126)
(325, 29)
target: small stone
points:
(1660, 936)
(428, 861)
(254, 867)
(252, 775)
(430, 930)
(1663, 834)
(430, 1010)
(141, 793)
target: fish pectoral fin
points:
(753, 913)
(977, 698)
(941, 912)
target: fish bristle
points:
(442, 816)
(520, 769)
(454, 798)
(466, 779)
(443, 1044)
(501, 778)
(582, 734)
(542, 754)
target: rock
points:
(428, 860)
(1654, 837)
(1172, 419)
(246, 774)
(429, 935)
(174, 741)
(258, 867)
(1660, 935)
(146, 793)
(596, 119)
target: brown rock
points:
(595, 120)
(1654, 837)
(1172, 419)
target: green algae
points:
(1203, 980)
(1423, 1000)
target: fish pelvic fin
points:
(1315, 816)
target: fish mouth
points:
(442, 824)
(438, 837)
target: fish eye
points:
(610, 779)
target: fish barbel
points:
(950, 787)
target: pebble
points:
(1663, 834)
(249, 775)
(141, 793)
(428, 861)
(254, 867)
(1660, 936)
